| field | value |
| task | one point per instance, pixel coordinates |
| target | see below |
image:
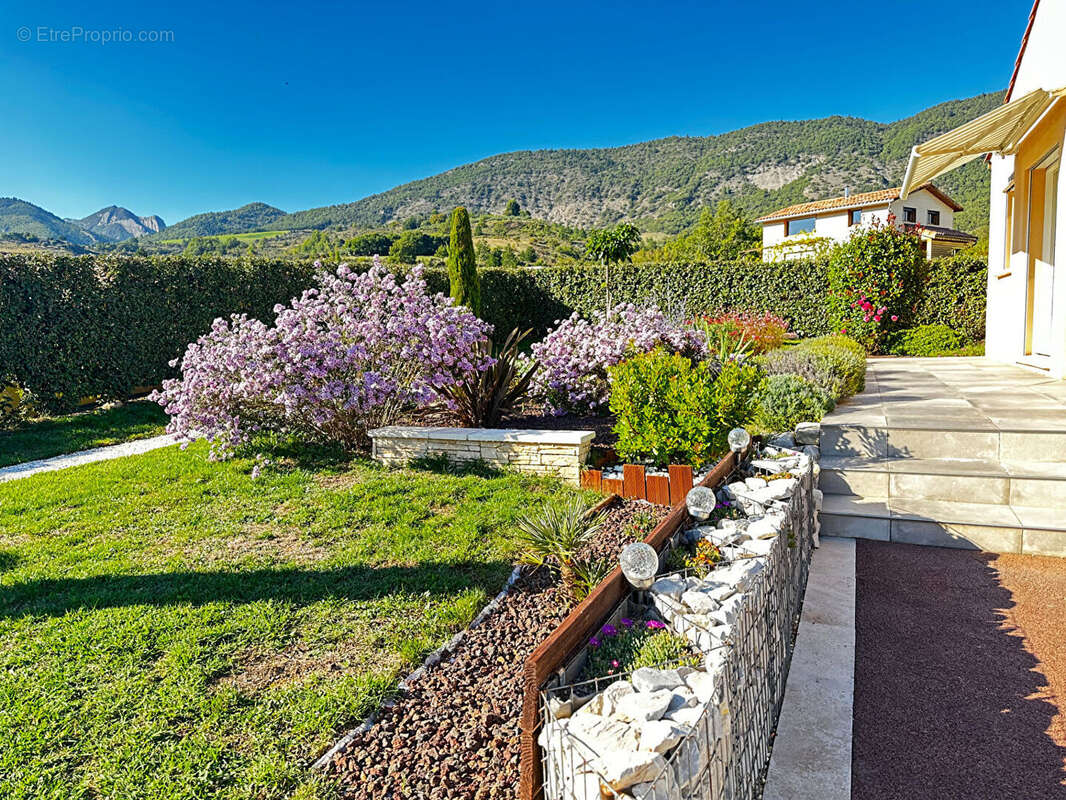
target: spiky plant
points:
(555, 534)
(482, 397)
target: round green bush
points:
(927, 340)
(838, 370)
(789, 399)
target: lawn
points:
(58, 435)
(171, 627)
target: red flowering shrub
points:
(875, 283)
(764, 332)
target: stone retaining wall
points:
(539, 452)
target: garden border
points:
(564, 641)
(438, 655)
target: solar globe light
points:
(639, 563)
(738, 439)
(700, 502)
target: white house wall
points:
(1044, 63)
(923, 202)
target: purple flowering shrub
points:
(350, 355)
(575, 356)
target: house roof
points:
(1021, 52)
(863, 200)
(946, 234)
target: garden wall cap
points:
(519, 435)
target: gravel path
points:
(133, 448)
(960, 674)
(456, 733)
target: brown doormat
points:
(960, 675)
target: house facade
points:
(1025, 139)
(801, 230)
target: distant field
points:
(242, 237)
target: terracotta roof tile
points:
(861, 200)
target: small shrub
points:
(576, 356)
(634, 644)
(836, 369)
(554, 536)
(671, 410)
(588, 574)
(788, 399)
(765, 331)
(926, 340)
(724, 340)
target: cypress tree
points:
(462, 266)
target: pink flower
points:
(614, 662)
(654, 624)
(894, 318)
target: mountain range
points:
(111, 224)
(661, 185)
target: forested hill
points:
(663, 184)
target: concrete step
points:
(1004, 528)
(936, 438)
(1023, 483)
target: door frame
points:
(1037, 173)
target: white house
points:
(797, 231)
(1025, 139)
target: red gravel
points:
(455, 735)
(960, 675)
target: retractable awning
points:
(998, 131)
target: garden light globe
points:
(700, 502)
(738, 439)
(639, 563)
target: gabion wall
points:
(703, 732)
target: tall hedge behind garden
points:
(101, 325)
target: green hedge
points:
(99, 325)
(75, 326)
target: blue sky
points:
(308, 104)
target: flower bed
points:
(454, 731)
(680, 731)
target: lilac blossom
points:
(351, 354)
(574, 357)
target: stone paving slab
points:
(811, 759)
(136, 447)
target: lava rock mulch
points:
(455, 733)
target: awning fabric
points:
(998, 131)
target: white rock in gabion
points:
(783, 440)
(698, 601)
(808, 433)
(671, 586)
(603, 734)
(704, 686)
(689, 715)
(818, 499)
(683, 698)
(622, 769)
(782, 488)
(729, 610)
(643, 706)
(757, 547)
(740, 574)
(771, 465)
(649, 679)
(755, 483)
(765, 527)
(719, 590)
(658, 736)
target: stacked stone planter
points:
(705, 732)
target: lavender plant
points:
(575, 356)
(353, 353)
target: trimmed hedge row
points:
(75, 326)
(100, 325)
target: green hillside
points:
(663, 184)
(252, 217)
(19, 217)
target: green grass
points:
(58, 435)
(242, 237)
(171, 627)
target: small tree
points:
(512, 209)
(612, 245)
(462, 265)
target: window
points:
(910, 214)
(805, 225)
(855, 217)
(934, 217)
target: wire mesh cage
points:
(724, 747)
